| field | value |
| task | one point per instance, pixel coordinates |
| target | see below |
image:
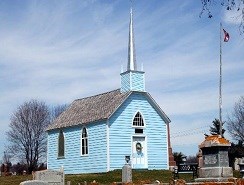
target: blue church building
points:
(95, 133)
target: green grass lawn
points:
(115, 176)
(148, 176)
(102, 178)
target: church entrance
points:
(139, 152)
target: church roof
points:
(90, 109)
(95, 108)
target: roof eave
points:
(75, 125)
(161, 112)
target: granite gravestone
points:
(53, 177)
(127, 171)
(242, 170)
(215, 159)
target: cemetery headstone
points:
(53, 177)
(127, 171)
(242, 170)
(215, 165)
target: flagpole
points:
(220, 82)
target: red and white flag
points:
(226, 36)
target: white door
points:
(139, 152)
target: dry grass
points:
(139, 177)
(14, 180)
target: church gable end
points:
(138, 120)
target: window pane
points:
(84, 142)
(138, 131)
(61, 144)
(83, 150)
(138, 120)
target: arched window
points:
(61, 144)
(84, 142)
(138, 120)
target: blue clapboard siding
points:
(120, 140)
(137, 81)
(74, 163)
(125, 82)
(157, 142)
(132, 81)
(121, 132)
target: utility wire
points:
(190, 132)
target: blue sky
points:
(58, 51)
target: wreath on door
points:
(138, 147)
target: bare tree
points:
(235, 123)
(192, 159)
(27, 135)
(5, 167)
(6, 157)
(236, 6)
(55, 111)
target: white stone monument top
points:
(34, 182)
(214, 140)
(53, 177)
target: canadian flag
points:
(226, 36)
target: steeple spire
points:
(131, 46)
(132, 79)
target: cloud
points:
(59, 51)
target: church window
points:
(61, 144)
(84, 142)
(138, 131)
(138, 120)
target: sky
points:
(58, 51)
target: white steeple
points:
(131, 46)
(132, 79)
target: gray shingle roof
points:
(90, 109)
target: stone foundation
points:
(216, 172)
